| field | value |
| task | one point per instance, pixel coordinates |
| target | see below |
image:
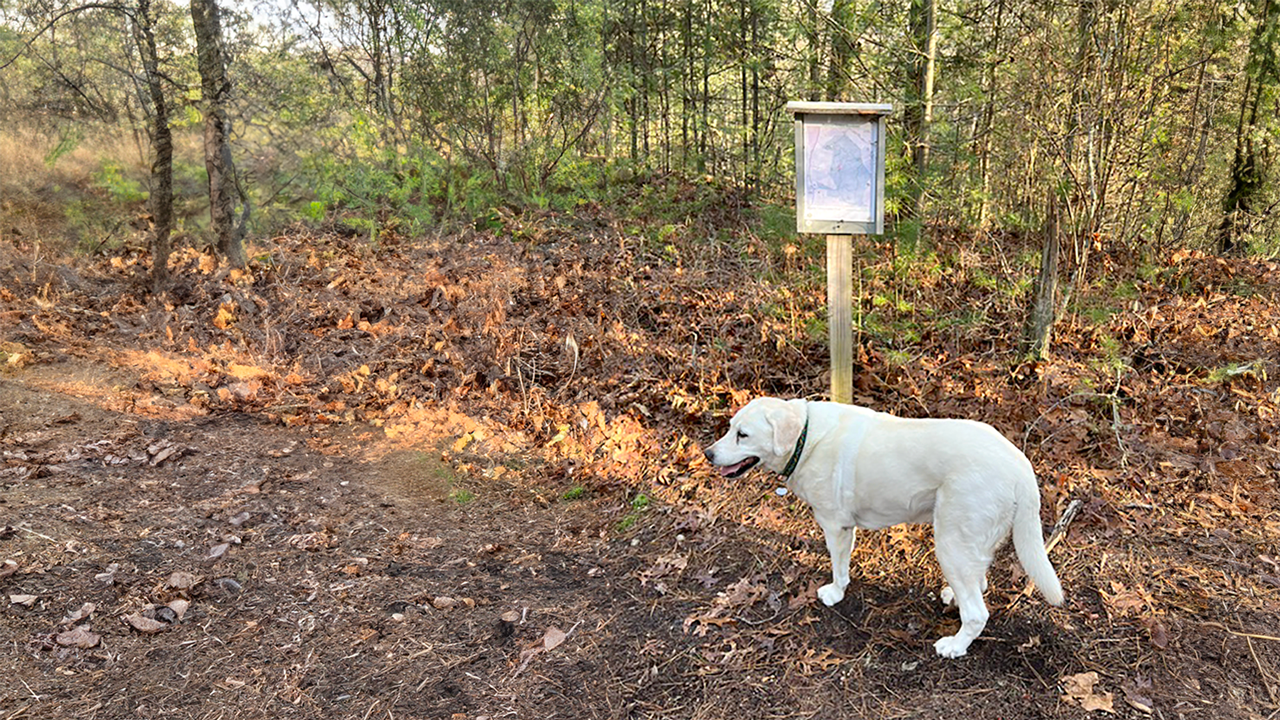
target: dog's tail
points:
(1028, 541)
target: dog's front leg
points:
(840, 546)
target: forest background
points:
(1152, 123)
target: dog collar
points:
(795, 455)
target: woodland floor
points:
(459, 477)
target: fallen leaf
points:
(552, 638)
(1159, 634)
(1078, 690)
(182, 580)
(444, 603)
(218, 551)
(1124, 601)
(510, 616)
(1137, 693)
(164, 454)
(10, 567)
(108, 577)
(25, 600)
(666, 565)
(85, 611)
(179, 607)
(143, 624)
(225, 317)
(78, 637)
(310, 542)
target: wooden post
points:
(840, 315)
(840, 193)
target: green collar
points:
(795, 454)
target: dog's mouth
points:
(739, 469)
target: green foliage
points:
(68, 141)
(577, 492)
(111, 177)
(639, 504)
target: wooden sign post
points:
(840, 193)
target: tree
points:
(224, 186)
(161, 200)
(919, 111)
(1253, 146)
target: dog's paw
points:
(830, 594)
(951, 647)
(947, 596)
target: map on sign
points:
(840, 169)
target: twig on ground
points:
(1064, 522)
(1055, 536)
(33, 532)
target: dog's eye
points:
(741, 435)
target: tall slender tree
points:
(216, 91)
(161, 200)
(1251, 162)
(919, 111)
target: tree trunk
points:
(1249, 166)
(842, 50)
(1044, 309)
(919, 112)
(216, 89)
(161, 200)
(987, 128)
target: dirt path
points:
(350, 581)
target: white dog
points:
(858, 468)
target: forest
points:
(357, 359)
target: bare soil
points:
(459, 477)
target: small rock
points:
(240, 518)
(218, 551)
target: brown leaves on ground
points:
(594, 366)
(1079, 690)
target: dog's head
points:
(764, 432)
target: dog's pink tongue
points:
(726, 471)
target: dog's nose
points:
(710, 456)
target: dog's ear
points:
(787, 422)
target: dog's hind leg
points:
(967, 586)
(964, 564)
(840, 546)
(948, 596)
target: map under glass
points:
(840, 169)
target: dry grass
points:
(55, 191)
